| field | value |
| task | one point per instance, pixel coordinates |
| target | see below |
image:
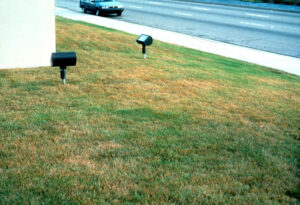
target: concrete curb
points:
(276, 61)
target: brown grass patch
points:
(181, 127)
(82, 161)
(109, 145)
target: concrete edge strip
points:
(263, 58)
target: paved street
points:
(272, 31)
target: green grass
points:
(182, 127)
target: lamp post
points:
(145, 40)
(64, 59)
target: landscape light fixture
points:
(64, 59)
(145, 40)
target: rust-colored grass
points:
(181, 126)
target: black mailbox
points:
(64, 59)
(145, 40)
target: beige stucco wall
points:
(27, 33)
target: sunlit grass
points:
(181, 126)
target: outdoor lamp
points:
(145, 40)
(64, 59)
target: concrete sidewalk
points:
(276, 61)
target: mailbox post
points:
(145, 40)
(64, 59)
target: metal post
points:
(144, 51)
(63, 74)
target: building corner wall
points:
(27, 37)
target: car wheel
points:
(84, 10)
(119, 13)
(98, 13)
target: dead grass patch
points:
(180, 127)
(82, 161)
(108, 145)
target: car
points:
(100, 7)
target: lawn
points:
(181, 127)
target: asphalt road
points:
(273, 31)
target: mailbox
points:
(62, 60)
(145, 40)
